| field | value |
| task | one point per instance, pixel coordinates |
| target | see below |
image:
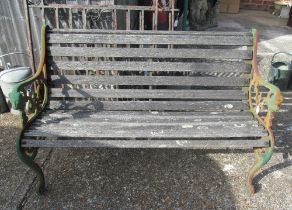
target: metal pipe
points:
(185, 15)
(29, 36)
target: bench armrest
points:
(264, 97)
(37, 100)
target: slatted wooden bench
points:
(133, 89)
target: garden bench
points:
(146, 89)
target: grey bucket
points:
(280, 72)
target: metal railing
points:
(106, 15)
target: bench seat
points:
(141, 125)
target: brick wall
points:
(266, 5)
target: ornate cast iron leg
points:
(262, 155)
(29, 161)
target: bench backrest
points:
(131, 70)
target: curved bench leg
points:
(29, 161)
(262, 155)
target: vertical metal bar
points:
(57, 17)
(155, 16)
(29, 36)
(169, 22)
(185, 14)
(141, 26)
(115, 19)
(172, 15)
(43, 16)
(142, 20)
(153, 20)
(84, 19)
(70, 18)
(128, 19)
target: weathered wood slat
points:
(73, 38)
(146, 93)
(238, 67)
(190, 144)
(149, 80)
(146, 115)
(149, 52)
(150, 105)
(147, 32)
(146, 131)
(109, 122)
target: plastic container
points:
(9, 78)
(11, 75)
(280, 72)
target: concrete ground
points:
(158, 178)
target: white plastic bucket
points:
(10, 77)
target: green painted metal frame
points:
(268, 104)
(36, 101)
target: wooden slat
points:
(149, 32)
(149, 39)
(90, 122)
(149, 52)
(146, 115)
(94, 119)
(149, 80)
(224, 130)
(239, 67)
(150, 105)
(188, 144)
(145, 93)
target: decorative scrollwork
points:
(31, 152)
(263, 104)
(264, 98)
(31, 101)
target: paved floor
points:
(158, 179)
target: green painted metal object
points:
(37, 102)
(185, 14)
(281, 72)
(262, 107)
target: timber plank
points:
(150, 105)
(148, 32)
(145, 115)
(188, 144)
(149, 52)
(147, 131)
(239, 67)
(150, 80)
(148, 39)
(146, 93)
